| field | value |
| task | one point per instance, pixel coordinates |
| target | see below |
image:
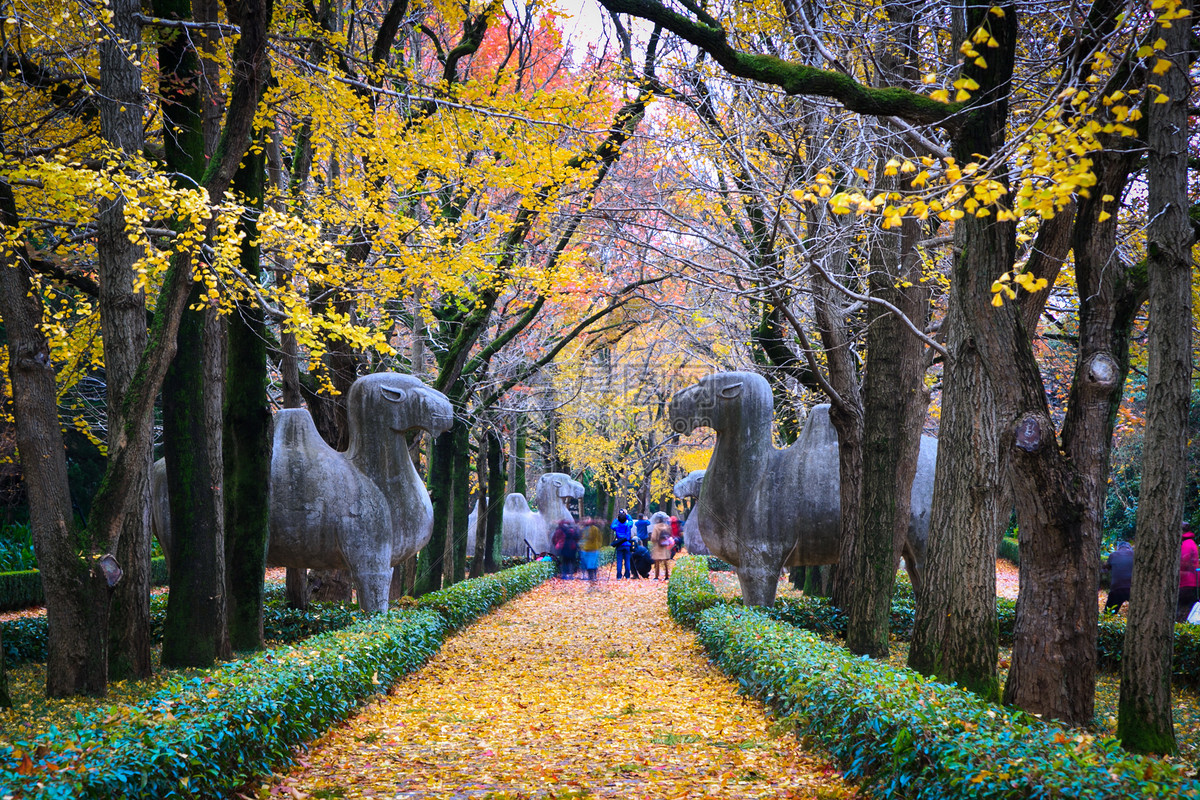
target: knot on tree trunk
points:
(1031, 431)
(1101, 372)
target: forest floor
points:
(573, 690)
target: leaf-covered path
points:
(573, 690)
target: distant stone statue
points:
(690, 487)
(520, 525)
(553, 490)
(365, 510)
(763, 508)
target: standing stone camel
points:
(365, 510)
(690, 486)
(520, 525)
(553, 490)
(763, 508)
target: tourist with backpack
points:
(661, 542)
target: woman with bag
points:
(661, 542)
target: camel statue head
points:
(577, 490)
(723, 401)
(398, 402)
(690, 486)
(552, 486)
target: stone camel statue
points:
(536, 527)
(365, 510)
(690, 487)
(553, 490)
(520, 525)
(763, 508)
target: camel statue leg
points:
(372, 588)
(296, 588)
(759, 583)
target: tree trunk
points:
(459, 497)
(846, 412)
(123, 326)
(247, 436)
(497, 480)
(481, 479)
(195, 623)
(431, 561)
(296, 589)
(955, 636)
(1061, 499)
(894, 407)
(1144, 721)
(894, 398)
(77, 659)
(519, 458)
(194, 633)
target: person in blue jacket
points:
(623, 543)
(642, 526)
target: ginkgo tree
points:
(1068, 128)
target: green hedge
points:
(24, 589)
(463, 603)
(906, 735)
(205, 737)
(25, 639)
(817, 615)
(1009, 550)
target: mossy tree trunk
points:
(431, 560)
(194, 632)
(1144, 721)
(247, 435)
(496, 492)
(519, 458)
(460, 499)
(478, 556)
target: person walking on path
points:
(566, 544)
(1120, 567)
(1189, 562)
(661, 542)
(590, 546)
(623, 543)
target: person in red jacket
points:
(1189, 562)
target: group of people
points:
(641, 545)
(1120, 567)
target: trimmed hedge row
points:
(25, 638)
(463, 603)
(817, 615)
(1009, 550)
(23, 589)
(906, 735)
(205, 737)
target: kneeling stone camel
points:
(365, 510)
(762, 508)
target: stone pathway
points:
(573, 690)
